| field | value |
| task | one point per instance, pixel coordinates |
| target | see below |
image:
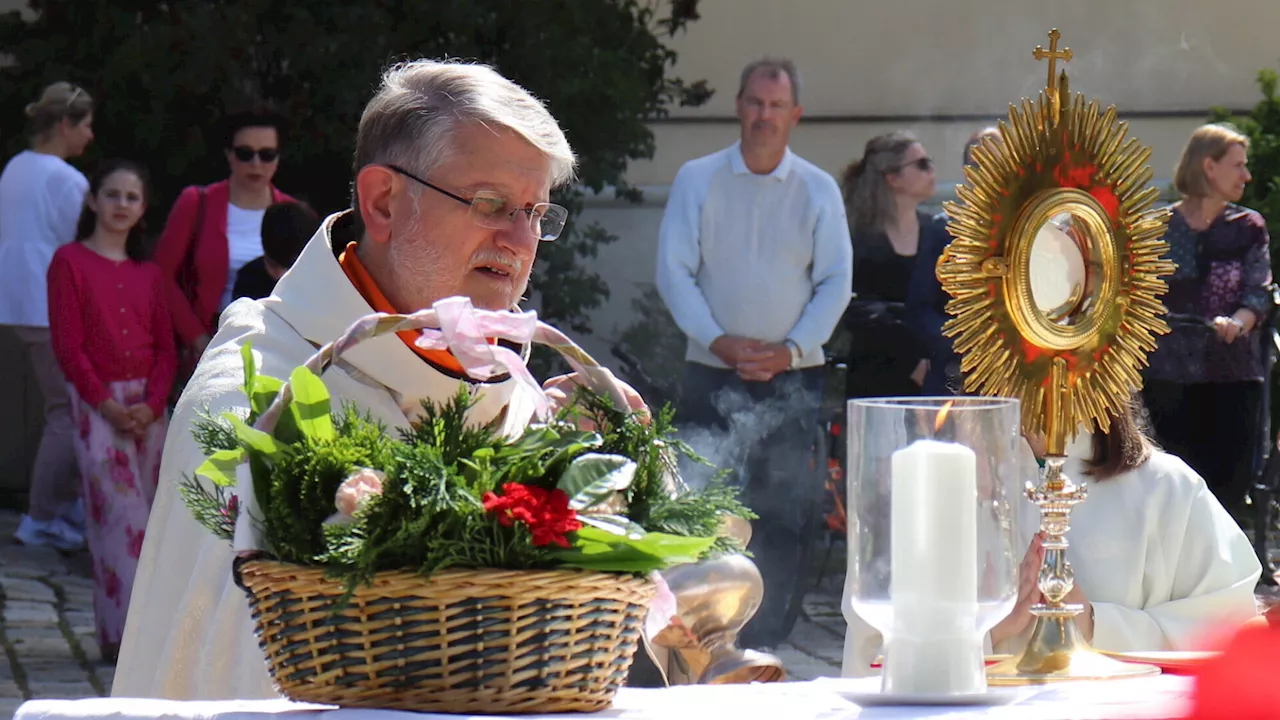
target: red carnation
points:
(545, 512)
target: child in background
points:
(286, 228)
(112, 336)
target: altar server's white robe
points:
(189, 635)
(1160, 559)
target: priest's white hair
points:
(412, 118)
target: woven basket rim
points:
(264, 565)
(258, 575)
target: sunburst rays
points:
(1034, 153)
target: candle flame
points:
(942, 415)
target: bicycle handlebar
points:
(1188, 320)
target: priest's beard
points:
(424, 270)
(420, 269)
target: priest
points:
(454, 169)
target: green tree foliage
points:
(656, 343)
(164, 73)
(1262, 126)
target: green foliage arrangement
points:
(338, 490)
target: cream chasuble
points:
(1160, 559)
(189, 635)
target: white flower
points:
(355, 492)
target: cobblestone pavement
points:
(47, 633)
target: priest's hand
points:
(1017, 621)
(562, 388)
(767, 361)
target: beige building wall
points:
(940, 69)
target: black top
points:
(253, 281)
(883, 350)
(927, 311)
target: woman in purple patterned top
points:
(1204, 385)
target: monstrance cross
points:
(1053, 55)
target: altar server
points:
(1159, 563)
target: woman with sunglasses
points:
(214, 230)
(883, 192)
(41, 196)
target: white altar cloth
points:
(1164, 697)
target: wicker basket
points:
(461, 641)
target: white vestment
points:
(188, 634)
(1160, 559)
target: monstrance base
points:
(1057, 652)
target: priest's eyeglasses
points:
(489, 209)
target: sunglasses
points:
(924, 164)
(246, 154)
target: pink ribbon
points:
(663, 609)
(465, 331)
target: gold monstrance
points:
(1055, 273)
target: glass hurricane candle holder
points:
(934, 490)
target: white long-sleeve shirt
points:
(1160, 559)
(766, 257)
(41, 197)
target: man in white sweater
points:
(756, 266)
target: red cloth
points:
(108, 322)
(1244, 682)
(212, 257)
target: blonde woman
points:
(41, 196)
(883, 192)
(1204, 386)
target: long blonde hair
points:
(869, 201)
(59, 101)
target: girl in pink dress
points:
(112, 335)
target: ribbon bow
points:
(466, 331)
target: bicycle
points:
(1264, 493)
(871, 315)
(632, 372)
(835, 516)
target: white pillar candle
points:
(934, 646)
